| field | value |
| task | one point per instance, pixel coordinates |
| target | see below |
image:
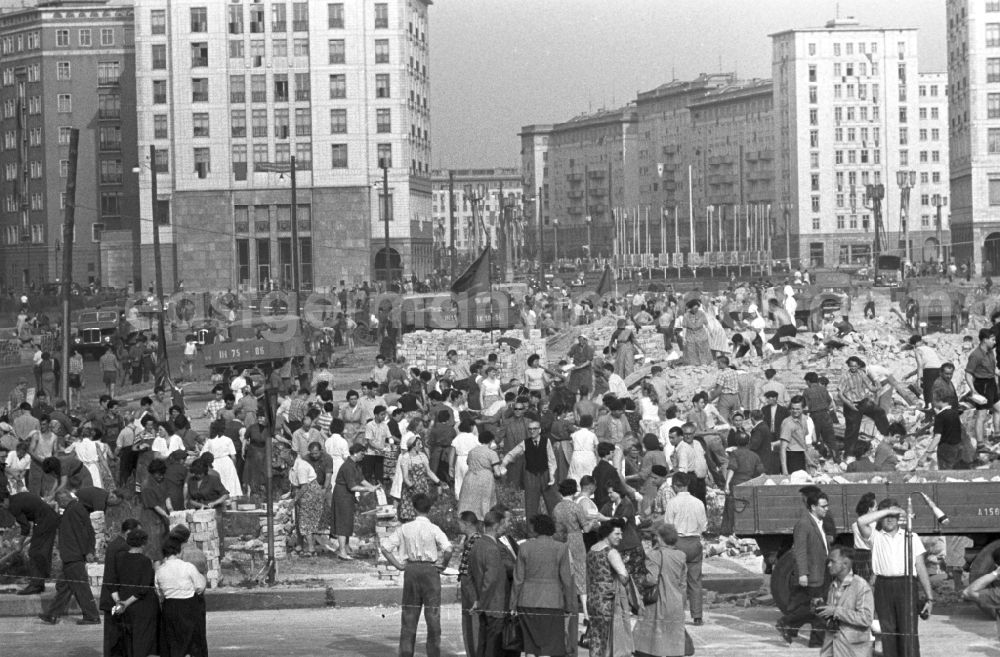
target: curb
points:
(12, 606)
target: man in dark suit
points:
(773, 412)
(488, 572)
(760, 443)
(810, 548)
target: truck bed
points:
(971, 499)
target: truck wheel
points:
(982, 564)
(782, 580)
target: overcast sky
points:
(498, 65)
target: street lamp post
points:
(384, 165)
(906, 181)
(939, 201)
(475, 195)
(874, 195)
(786, 209)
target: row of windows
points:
(108, 73)
(846, 69)
(12, 234)
(15, 42)
(84, 37)
(279, 18)
(336, 51)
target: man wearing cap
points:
(858, 389)
(981, 375)
(772, 384)
(773, 413)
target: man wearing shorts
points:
(109, 370)
(190, 352)
(981, 375)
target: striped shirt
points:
(728, 381)
(856, 386)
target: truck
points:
(767, 512)
(95, 331)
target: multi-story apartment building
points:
(67, 65)
(535, 172)
(230, 92)
(487, 187)
(929, 238)
(974, 131)
(590, 162)
(846, 109)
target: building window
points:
(993, 6)
(64, 133)
(814, 160)
(383, 120)
(335, 15)
(159, 126)
(110, 137)
(993, 35)
(992, 70)
(107, 36)
(159, 56)
(239, 159)
(64, 103)
(338, 53)
(199, 19)
(111, 172)
(111, 204)
(812, 49)
(63, 168)
(199, 90)
(199, 122)
(279, 47)
(256, 53)
(382, 85)
(338, 156)
(158, 21)
(815, 223)
(258, 88)
(381, 15)
(259, 122)
(260, 155)
(815, 204)
(813, 116)
(813, 138)
(279, 18)
(300, 16)
(235, 19)
(162, 160)
(202, 162)
(281, 128)
(384, 156)
(303, 86)
(159, 92)
(303, 122)
(814, 182)
(381, 51)
(256, 19)
(63, 71)
(237, 89)
(281, 87)
(236, 50)
(904, 158)
(303, 159)
(812, 72)
(338, 86)
(338, 121)
(282, 153)
(199, 54)
(108, 73)
(300, 47)
(903, 136)
(62, 38)
(994, 191)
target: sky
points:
(497, 65)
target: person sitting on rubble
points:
(844, 327)
(863, 458)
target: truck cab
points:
(95, 331)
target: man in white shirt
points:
(616, 384)
(671, 422)
(336, 446)
(888, 544)
(689, 457)
(687, 514)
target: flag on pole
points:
(607, 281)
(475, 279)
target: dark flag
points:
(475, 279)
(607, 282)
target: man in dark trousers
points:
(810, 548)
(113, 646)
(772, 412)
(421, 550)
(760, 443)
(539, 475)
(38, 520)
(76, 549)
(489, 575)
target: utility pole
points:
(67, 273)
(451, 220)
(385, 218)
(296, 283)
(161, 333)
(541, 239)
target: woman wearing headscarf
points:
(697, 349)
(310, 505)
(660, 631)
(625, 347)
(348, 482)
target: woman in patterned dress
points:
(417, 477)
(697, 349)
(630, 547)
(607, 606)
(310, 505)
(479, 492)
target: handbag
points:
(511, 638)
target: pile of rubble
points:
(204, 536)
(428, 349)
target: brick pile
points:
(204, 536)
(428, 349)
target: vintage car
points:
(95, 331)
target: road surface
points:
(374, 632)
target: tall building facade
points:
(229, 93)
(487, 187)
(846, 110)
(930, 227)
(67, 65)
(535, 173)
(974, 131)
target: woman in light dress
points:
(535, 376)
(584, 458)
(489, 388)
(718, 341)
(479, 492)
(93, 455)
(697, 350)
(625, 347)
(649, 412)
(224, 451)
(462, 444)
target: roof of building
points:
(847, 24)
(702, 82)
(741, 89)
(626, 114)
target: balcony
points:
(575, 194)
(574, 177)
(597, 174)
(300, 26)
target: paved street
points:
(374, 632)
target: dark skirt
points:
(544, 630)
(343, 511)
(182, 621)
(140, 627)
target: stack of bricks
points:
(649, 338)
(100, 537)
(384, 527)
(204, 536)
(280, 537)
(428, 350)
